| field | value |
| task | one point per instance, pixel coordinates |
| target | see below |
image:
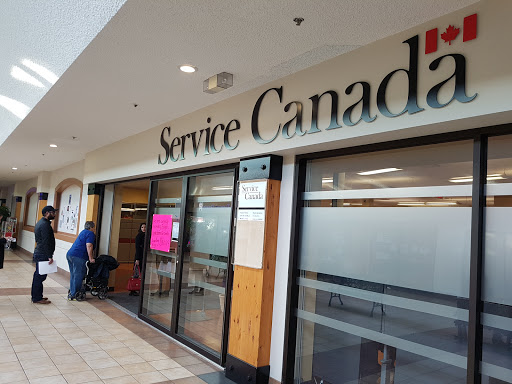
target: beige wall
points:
(47, 182)
(488, 74)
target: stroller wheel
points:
(102, 295)
(80, 296)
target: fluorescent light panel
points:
(441, 203)
(412, 203)
(376, 171)
(469, 179)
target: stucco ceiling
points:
(106, 62)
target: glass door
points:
(162, 256)
(205, 260)
(187, 259)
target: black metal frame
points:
(173, 330)
(479, 137)
(475, 271)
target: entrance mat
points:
(131, 303)
(215, 378)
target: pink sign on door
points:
(161, 232)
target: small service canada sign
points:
(252, 194)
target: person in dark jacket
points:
(80, 252)
(45, 247)
(139, 250)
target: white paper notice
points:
(252, 194)
(251, 214)
(46, 268)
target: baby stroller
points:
(96, 279)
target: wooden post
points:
(248, 359)
(41, 203)
(17, 214)
(93, 205)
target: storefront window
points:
(496, 367)
(383, 262)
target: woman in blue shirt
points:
(80, 252)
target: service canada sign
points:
(222, 136)
(252, 194)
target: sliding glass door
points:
(187, 262)
(205, 260)
(161, 257)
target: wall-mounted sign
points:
(347, 108)
(252, 194)
(161, 232)
(250, 229)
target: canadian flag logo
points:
(469, 32)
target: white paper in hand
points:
(45, 267)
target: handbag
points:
(134, 282)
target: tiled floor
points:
(81, 342)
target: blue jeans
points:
(77, 271)
(37, 281)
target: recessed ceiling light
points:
(53, 145)
(188, 68)
(384, 170)
(14, 168)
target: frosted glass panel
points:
(384, 250)
(496, 364)
(212, 228)
(419, 248)
(498, 255)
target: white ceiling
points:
(134, 59)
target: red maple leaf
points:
(450, 34)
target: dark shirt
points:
(139, 246)
(79, 247)
(44, 238)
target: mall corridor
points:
(83, 342)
